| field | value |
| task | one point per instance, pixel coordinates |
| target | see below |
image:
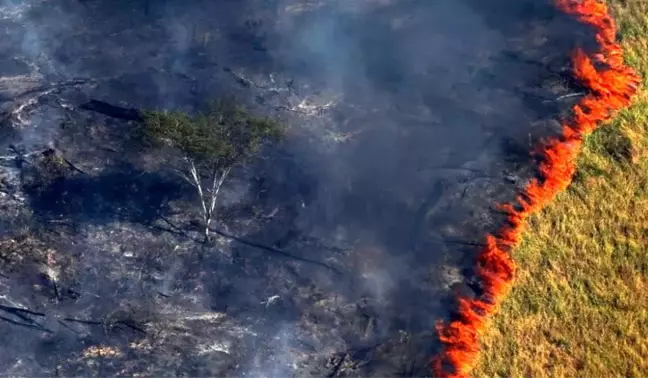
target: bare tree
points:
(211, 144)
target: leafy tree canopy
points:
(224, 136)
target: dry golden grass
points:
(579, 307)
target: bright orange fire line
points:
(611, 85)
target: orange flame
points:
(611, 85)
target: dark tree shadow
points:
(122, 192)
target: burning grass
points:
(578, 304)
(569, 242)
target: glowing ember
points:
(611, 85)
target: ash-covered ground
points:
(337, 250)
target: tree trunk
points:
(215, 189)
(207, 224)
(208, 203)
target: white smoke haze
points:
(281, 362)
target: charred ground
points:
(338, 249)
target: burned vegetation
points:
(185, 157)
(315, 227)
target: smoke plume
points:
(407, 120)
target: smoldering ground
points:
(339, 248)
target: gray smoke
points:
(397, 110)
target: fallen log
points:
(128, 114)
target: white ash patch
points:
(451, 275)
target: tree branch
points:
(184, 177)
(37, 327)
(216, 188)
(276, 251)
(194, 174)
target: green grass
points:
(579, 307)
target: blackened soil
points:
(335, 251)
